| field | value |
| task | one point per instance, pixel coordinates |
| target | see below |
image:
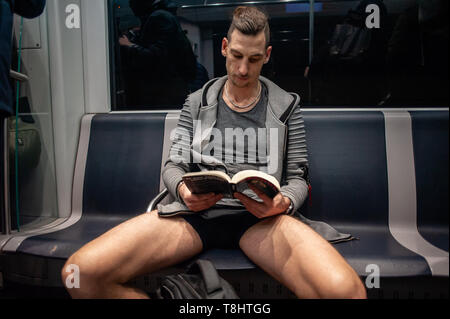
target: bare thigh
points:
(138, 246)
(296, 256)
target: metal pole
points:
(311, 44)
(311, 30)
(238, 3)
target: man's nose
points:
(243, 68)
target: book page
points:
(254, 173)
(267, 184)
(209, 173)
(208, 182)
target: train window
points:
(154, 62)
(367, 53)
(387, 56)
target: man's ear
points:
(268, 53)
(224, 46)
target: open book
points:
(220, 183)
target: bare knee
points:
(82, 277)
(343, 285)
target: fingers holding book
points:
(268, 207)
(254, 187)
(198, 202)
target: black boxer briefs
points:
(224, 231)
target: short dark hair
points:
(141, 7)
(250, 21)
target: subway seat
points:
(381, 175)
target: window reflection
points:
(404, 62)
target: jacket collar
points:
(279, 99)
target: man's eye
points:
(238, 56)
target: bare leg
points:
(300, 259)
(136, 247)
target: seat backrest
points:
(347, 158)
(123, 163)
(348, 172)
(430, 138)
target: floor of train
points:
(390, 288)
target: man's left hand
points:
(268, 207)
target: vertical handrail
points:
(16, 155)
(311, 30)
(310, 45)
(6, 215)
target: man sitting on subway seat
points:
(262, 227)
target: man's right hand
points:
(197, 202)
(124, 41)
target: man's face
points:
(245, 56)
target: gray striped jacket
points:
(288, 158)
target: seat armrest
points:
(157, 200)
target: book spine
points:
(232, 189)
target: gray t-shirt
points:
(242, 141)
(243, 136)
